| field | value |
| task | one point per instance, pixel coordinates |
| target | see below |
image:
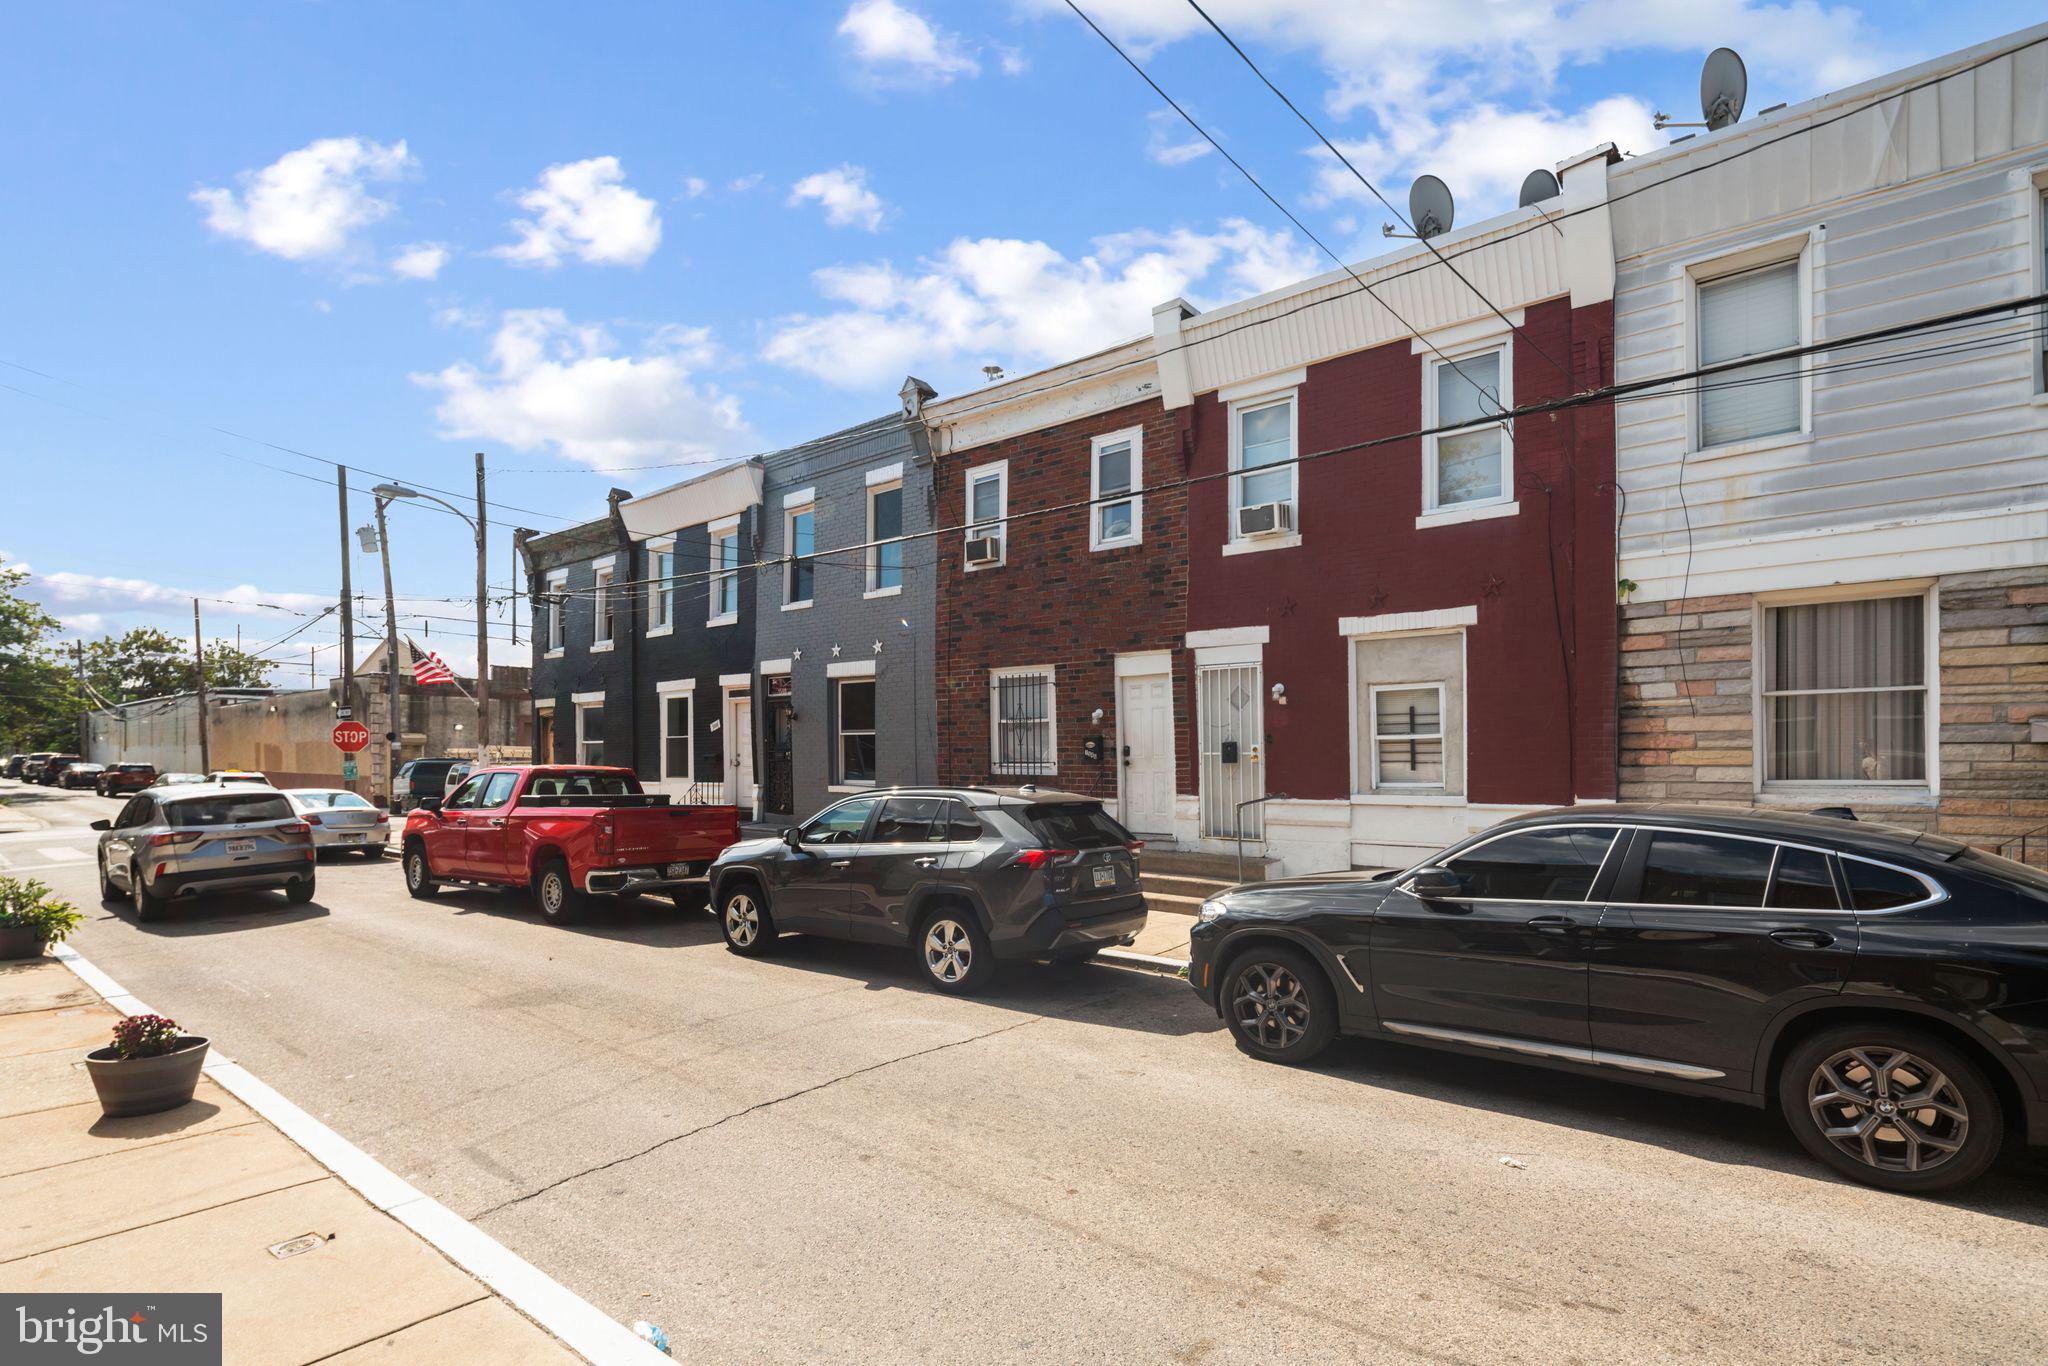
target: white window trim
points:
(557, 611)
(885, 474)
(583, 708)
(1136, 437)
(1235, 544)
(851, 668)
(1801, 247)
(839, 732)
(663, 691)
(1372, 721)
(661, 590)
(1000, 470)
(717, 532)
(877, 487)
(2035, 187)
(791, 510)
(1902, 791)
(1052, 719)
(600, 593)
(1433, 513)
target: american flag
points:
(428, 667)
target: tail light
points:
(313, 818)
(175, 838)
(604, 834)
(1135, 847)
(295, 828)
(1040, 858)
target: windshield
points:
(236, 809)
(342, 800)
(1076, 825)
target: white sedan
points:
(342, 820)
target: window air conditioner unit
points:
(1265, 519)
(985, 550)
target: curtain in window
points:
(1265, 438)
(1468, 463)
(1846, 695)
(1745, 315)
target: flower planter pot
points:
(20, 941)
(143, 1086)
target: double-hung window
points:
(725, 572)
(1845, 691)
(1408, 736)
(556, 593)
(1472, 466)
(1116, 473)
(1023, 736)
(885, 527)
(661, 588)
(856, 723)
(800, 530)
(677, 737)
(590, 732)
(602, 604)
(988, 503)
(1264, 474)
(1749, 313)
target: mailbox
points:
(1230, 751)
(1091, 748)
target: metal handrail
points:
(2021, 841)
(1251, 801)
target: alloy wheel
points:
(1270, 1006)
(742, 920)
(1888, 1108)
(948, 952)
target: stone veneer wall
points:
(1687, 710)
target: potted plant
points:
(148, 1067)
(30, 918)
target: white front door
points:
(1231, 709)
(739, 749)
(1145, 732)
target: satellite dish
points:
(1430, 206)
(1538, 186)
(1724, 84)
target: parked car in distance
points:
(342, 820)
(173, 843)
(177, 779)
(236, 775)
(81, 775)
(419, 779)
(54, 766)
(1880, 986)
(12, 767)
(32, 766)
(961, 876)
(116, 779)
(569, 833)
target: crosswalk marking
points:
(59, 854)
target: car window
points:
(134, 814)
(962, 826)
(500, 790)
(238, 808)
(1803, 882)
(1534, 865)
(1076, 825)
(905, 820)
(1872, 888)
(1704, 870)
(841, 825)
(465, 796)
(349, 800)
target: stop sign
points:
(350, 736)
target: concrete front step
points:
(1176, 885)
(1208, 867)
(1168, 901)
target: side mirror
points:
(430, 804)
(102, 825)
(1435, 884)
(789, 837)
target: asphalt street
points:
(812, 1158)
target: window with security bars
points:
(1748, 314)
(1845, 691)
(1408, 736)
(856, 722)
(1020, 710)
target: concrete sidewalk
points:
(197, 1198)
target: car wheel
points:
(745, 922)
(554, 891)
(419, 874)
(1279, 1005)
(372, 853)
(148, 905)
(108, 891)
(955, 952)
(1892, 1107)
(299, 891)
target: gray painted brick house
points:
(843, 632)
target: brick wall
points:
(1057, 602)
(1687, 713)
(1994, 680)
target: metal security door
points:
(778, 788)
(1231, 708)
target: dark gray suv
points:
(961, 875)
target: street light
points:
(388, 493)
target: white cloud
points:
(1013, 61)
(695, 187)
(571, 389)
(420, 260)
(98, 595)
(584, 209)
(1015, 302)
(1172, 142)
(845, 196)
(741, 184)
(308, 204)
(895, 45)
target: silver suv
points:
(173, 842)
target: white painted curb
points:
(589, 1333)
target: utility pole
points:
(391, 738)
(199, 663)
(348, 622)
(483, 641)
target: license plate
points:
(241, 846)
(1104, 876)
(352, 839)
(677, 870)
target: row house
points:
(844, 614)
(1062, 605)
(1837, 565)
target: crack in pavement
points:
(748, 1110)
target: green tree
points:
(38, 703)
(229, 667)
(146, 662)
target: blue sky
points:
(588, 240)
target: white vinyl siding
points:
(1746, 314)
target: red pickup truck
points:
(567, 832)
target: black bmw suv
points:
(962, 876)
(1886, 989)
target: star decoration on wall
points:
(835, 652)
(878, 647)
(1493, 588)
(796, 654)
(1376, 599)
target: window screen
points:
(1535, 865)
(1704, 870)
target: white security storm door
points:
(1145, 722)
(1231, 710)
(739, 748)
